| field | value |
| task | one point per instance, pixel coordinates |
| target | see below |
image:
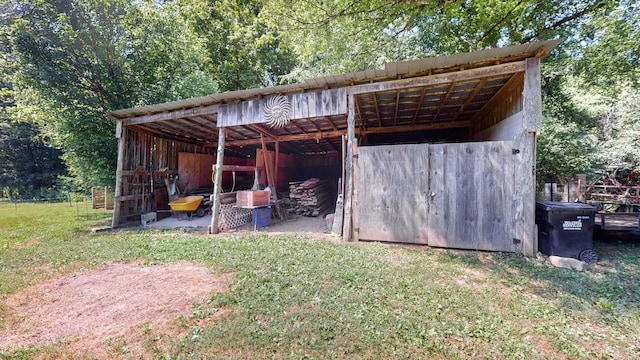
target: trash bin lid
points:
(570, 206)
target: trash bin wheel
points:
(589, 256)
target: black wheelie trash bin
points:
(566, 229)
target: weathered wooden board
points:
(524, 196)
(532, 97)
(392, 193)
(301, 106)
(194, 170)
(471, 188)
(284, 170)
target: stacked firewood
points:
(311, 197)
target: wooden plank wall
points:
(505, 130)
(301, 106)
(147, 154)
(507, 103)
(284, 171)
(392, 192)
(195, 170)
(471, 187)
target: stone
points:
(567, 263)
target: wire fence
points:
(82, 203)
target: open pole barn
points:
(437, 151)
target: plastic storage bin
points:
(261, 217)
(566, 229)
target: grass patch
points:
(296, 297)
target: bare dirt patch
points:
(122, 305)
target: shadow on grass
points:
(611, 287)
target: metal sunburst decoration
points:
(276, 111)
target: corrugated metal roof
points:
(391, 70)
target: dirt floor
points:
(296, 223)
(123, 306)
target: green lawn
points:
(301, 298)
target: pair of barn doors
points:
(443, 195)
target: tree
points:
(27, 164)
(611, 55)
(243, 50)
(567, 143)
(75, 60)
(334, 36)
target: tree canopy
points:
(65, 63)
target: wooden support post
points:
(267, 164)
(121, 134)
(354, 198)
(217, 185)
(346, 227)
(275, 175)
(525, 171)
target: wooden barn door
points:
(472, 188)
(445, 195)
(393, 193)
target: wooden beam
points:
(438, 79)
(364, 121)
(422, 94)
(170, 115)
(275, 177)
(490, 105)
(231, 130)
(375, 103)
(238, 168)
(121, 133)
(164, 135)
(262, 131)
(525, 141)
(421, 127)
(267, 164)
(444, 99)
(346, 225)
(315, 127)
(470, 97)
(371, 130)
(532, 95)
(217, 185)
(395, 115)
(120, 199)
(328, 119)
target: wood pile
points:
(311, 197)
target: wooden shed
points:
(437, 151)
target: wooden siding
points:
(393, 193)
(505, 130)
(282, 174)
(506, 102)
(313, 104)
(142, 156)
(195, 170)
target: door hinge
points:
(357, 230)
(355, 156)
